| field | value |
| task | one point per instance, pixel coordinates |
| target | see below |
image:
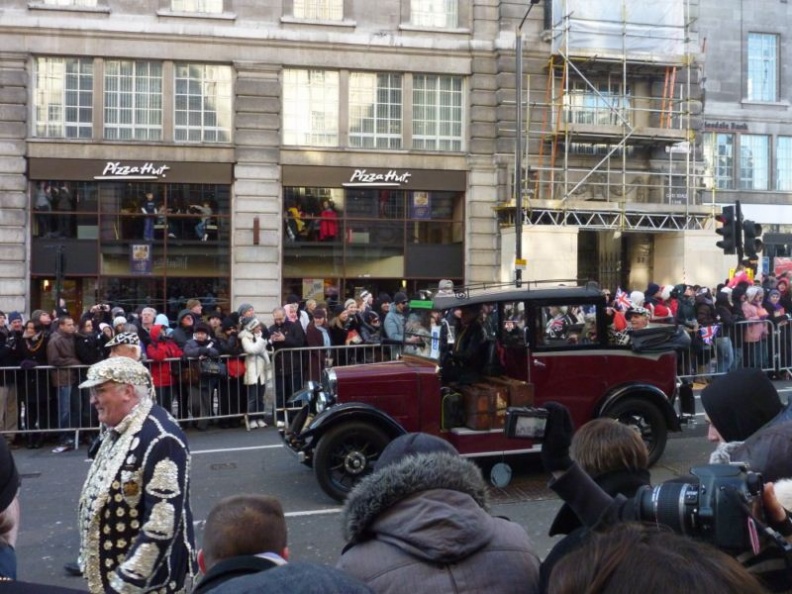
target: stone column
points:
(14, 212)
(256, 271)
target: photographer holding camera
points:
(721, 508)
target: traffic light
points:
(729, 229)
(752, 242)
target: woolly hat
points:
(412, 444)
(243, 309)
(202, 327)
(227, 324)
(118, 321)
(293, 299)
(364, 294)
(162, 320)
(739, 403)
(14, 316)
(214, 314)
(652, 290)
(36, 315)
(9, 477)
(384, 298)
(400, 298)
(183, 314)
(637, 298)
(320, 313)
(252, 324)
(349, 302)
(117, 311)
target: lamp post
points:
(518, 148)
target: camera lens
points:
(671, 504)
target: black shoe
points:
(73, 568)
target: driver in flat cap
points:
(134, 514)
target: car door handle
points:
(538, 363)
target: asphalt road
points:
(233, 461)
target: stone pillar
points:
(256, 271)
(481, 227)
(14, 214)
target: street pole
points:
(518, 149)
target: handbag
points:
(213, 367)
(235, 366)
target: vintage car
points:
(544, 343)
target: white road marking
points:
(294, 514)
(244, 449)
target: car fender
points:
(341, 413)
(644, 392)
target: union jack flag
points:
(708, 333)
(622, 300)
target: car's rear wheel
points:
(648, 422)
(345, 454)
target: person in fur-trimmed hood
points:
(421, 523)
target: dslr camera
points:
(717, 510)
(525, 422)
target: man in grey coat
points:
(420, 523)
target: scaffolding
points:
(612, 143)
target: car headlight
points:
(321, 402)
(329, 381)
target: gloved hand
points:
(558, 437)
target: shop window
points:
(437, 112)
(310, 107)
(763, 67)
(754, 162)
(197, 6)
(319, 10)
(133, 100)
(63, 97)
(203, 103)
(442, 14)
(375, 110)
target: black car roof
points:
(463, 296)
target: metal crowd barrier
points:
(29, 397)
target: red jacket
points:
(159, 349)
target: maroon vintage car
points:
(545, 344)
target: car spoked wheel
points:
(345, 454)
(647, 421)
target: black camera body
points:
(715, 510)
(525, 422)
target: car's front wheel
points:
(648, 422)
(345, 454)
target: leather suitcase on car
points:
(520, 393)
(485, 406)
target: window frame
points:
(327, 92)
(393, 116)
(152, 132)
(333, 10)
(723, 176)
(198, 9)
(433, 141)
(783, 164)
(63, 123)
(429, 13)
(204, 113)
(759, 42)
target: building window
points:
(784, 163)
(133, 100)
(375, 110)
(719, 157)
(442, 14)
(762, 67)
(81, 3)
(310, 107)
(199, 6)
(609, 104)
(64, 97)
(320, 10)
(203, 103)
(754, 162)
(437, 112)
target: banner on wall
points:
(140, 258)
(313, 288)
(420, 206)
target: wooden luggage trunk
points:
(520, 393)
(485, 406)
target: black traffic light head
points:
(752, 242)
(729, 229)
